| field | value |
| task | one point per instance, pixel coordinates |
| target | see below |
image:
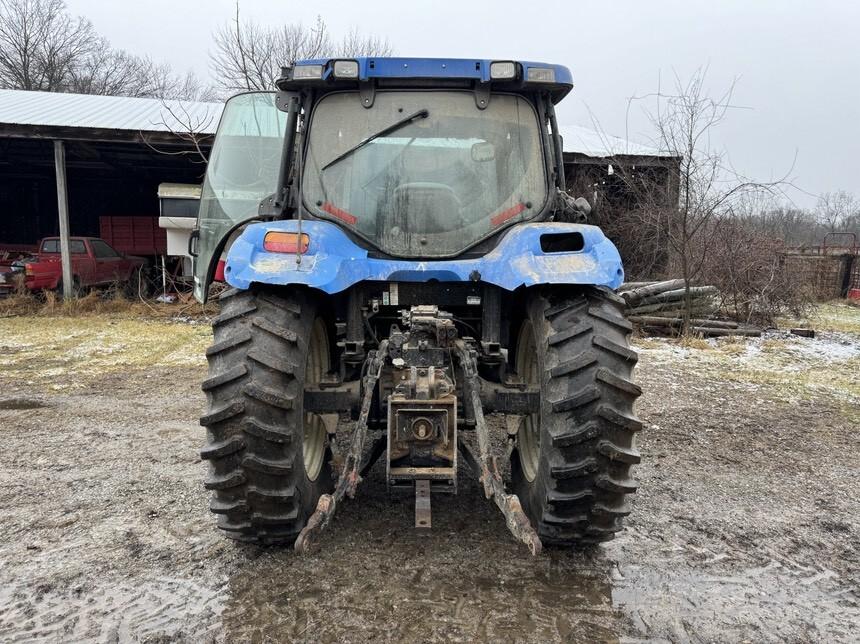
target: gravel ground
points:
(746, 526)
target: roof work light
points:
(541, 75)
(346, 69)
(307, 72)
(503, 70)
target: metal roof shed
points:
(109, 118)
(112, 140)
(600, 167)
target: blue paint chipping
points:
(334, 262)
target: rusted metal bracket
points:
(350, 475)
(494, 487)
(422, 504)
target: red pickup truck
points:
(94, 263)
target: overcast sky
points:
(798, 62)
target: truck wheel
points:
(136, 285)
(268, 460)
(77, 291)
(571, 469)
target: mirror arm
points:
(557, 146)
(274, 205)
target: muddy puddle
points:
(558, 599)
(436, 597)
(377, 579)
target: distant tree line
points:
(640, 229)
(721, 228)
(45, 48)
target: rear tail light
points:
(278, 242)
(219, 271)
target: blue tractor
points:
(410, 278)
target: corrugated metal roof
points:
(179, 190)
(48, 109)
(19, 107)
(591, 143)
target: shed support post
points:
(63, 212)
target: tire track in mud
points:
(746, 527)
(160, 610)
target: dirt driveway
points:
(746, 527)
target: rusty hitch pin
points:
(350, 475)
(517, 521)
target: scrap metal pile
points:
(659, 307)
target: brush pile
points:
(659, 307)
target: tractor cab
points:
(412, 158)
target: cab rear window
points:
(76, 246)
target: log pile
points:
(659, 307)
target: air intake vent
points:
(562, 242)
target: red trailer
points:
(134, 235)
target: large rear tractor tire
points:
(571, 468)
(268, 460)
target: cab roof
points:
(388, 72)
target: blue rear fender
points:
(333, 262)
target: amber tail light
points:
(278, 242)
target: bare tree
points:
(40, 43)
(792, 225)
(249, 56)
(354, 43)
(836, 211)
(191, 88)
(684, 121)
(44, 48)
(193, 127)
(745, 261)
(115, 72)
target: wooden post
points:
(63, 212)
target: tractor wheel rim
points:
(528, 437)
(314, 434)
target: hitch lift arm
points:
(485, 465)
(350, 475)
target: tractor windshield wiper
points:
(420, 114)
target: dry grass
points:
(694, 342)
(781, 367)
(43, 338)
(112, 301)
(840, 315)
(640, 342)
(733, 346)
(44, 349)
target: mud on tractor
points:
(404, 260)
